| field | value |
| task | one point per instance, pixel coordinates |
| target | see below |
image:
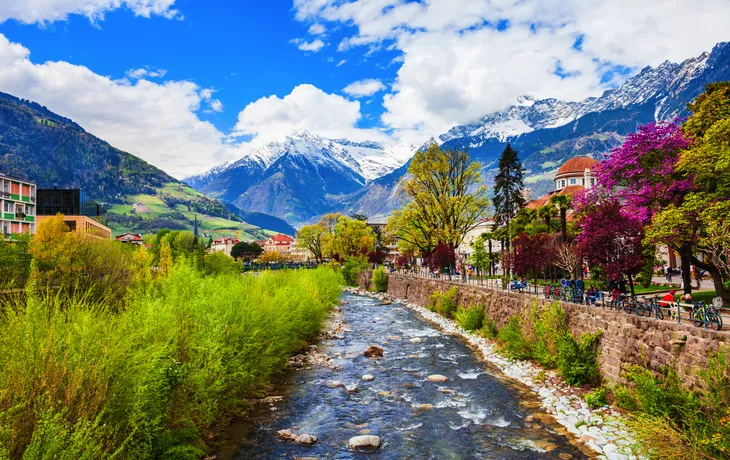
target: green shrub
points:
(82, 380)
(596, 399)
(470, 318)
(515, 344)
(489, 330)
(444, 303)
(578, 359)
(624, 399)
(380, 280)
(549, 329)
(352, 268)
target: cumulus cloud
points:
(47, 11)
(156, 121)
(363, 88)
(317, 29)
(305, 108)
(464, 58)
(136, 74)
(313, 46)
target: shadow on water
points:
(476, 414)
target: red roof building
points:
(279, 243)
(573, 176)
(130, 238)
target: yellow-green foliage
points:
(470, 318)
(444, 303)
(81, 380)
(673, 422)
(596, 398)
(541, 334)
(380, 280)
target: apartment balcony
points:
(20, 216)
(4, 194)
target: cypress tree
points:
(508, 186)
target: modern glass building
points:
(18, 206)
(80, 213)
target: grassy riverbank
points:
(80, 380)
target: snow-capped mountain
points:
(305, 175)
(301, 175)
(529, 114)
(548, 132)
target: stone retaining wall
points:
(627, 339)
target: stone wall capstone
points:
(627, 339)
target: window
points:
(583, 182)
(9, 206)
(563, 183)
(572, 181)
(593, 181)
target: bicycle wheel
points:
(714, 321)
(644, 309)
(659, 312)
(697, 318)
(628, 308)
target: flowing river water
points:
(476, 414)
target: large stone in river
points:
(438, 378)
(335, 384)
(368, 377)
(373, 352)
(306, 438)
(416, 340)
(364, 442)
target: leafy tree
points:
(563, 203)
(329, 221)
(480, 258)
(274, 257)
(446, 200)
(79, 264)
(15, 261)
(246, 251)
(532, 254)
(351, 238)
(314, 238)
(546, 213)
(361, 217)
(612, 239)
(694, 225)
(218, 263)
(165, 262)
(443, 256)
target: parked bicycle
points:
(703, 315)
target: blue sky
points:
(241, 51)
(188, 84)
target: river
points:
(476, 414)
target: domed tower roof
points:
(577, 165)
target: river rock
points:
(438, 378)
(286, 434)
(335, 384)
(306, 438)
(364, 442)
(352, 388)
(422, 407)
(368, 378)
(373, 352)
(416, 340)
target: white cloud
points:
(156, 121)
(317, 29)
(136, 74)
(363, 88)
(342, 62)
(456, 66)
(216, 105)
(313, 46)
(305, 108)
(47, 11)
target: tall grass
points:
(81, 380)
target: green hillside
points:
(50, 150)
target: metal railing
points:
(646, 306)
